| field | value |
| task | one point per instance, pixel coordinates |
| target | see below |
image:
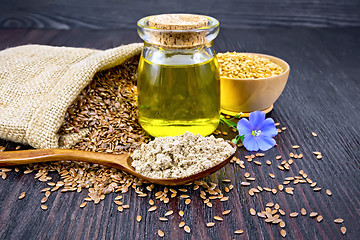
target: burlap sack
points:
(38, 84)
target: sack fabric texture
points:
(38, 84)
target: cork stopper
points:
(180, 30)
(178, 21)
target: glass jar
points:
(178, 76)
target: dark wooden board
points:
(111, 14)
(322, 95)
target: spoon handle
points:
(11, 158)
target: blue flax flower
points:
(258, 132)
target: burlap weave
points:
(38, 84)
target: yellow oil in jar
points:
(175, 98)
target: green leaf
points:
(223, 120)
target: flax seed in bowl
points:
(250, 81)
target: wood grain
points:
(322, 95)
(110, 14)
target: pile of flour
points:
(180, 156)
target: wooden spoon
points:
(119, 161)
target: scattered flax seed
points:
(226, 180)
(44, 200)
(210, 224)
(239, 231)
(313, 214)
(303, 211)
(295, 146)
(224, 199)
(138, 218)
(181, 224)
(270, 204)
(226, 212)
(257, 163)
(44, 207)
(317, 189)
(314, 134)
(319, 218)
(187, 201)
(328, 192)
(271, 175)
(276, 221)
(209, 204)
(282, 212)
(281, 187)
(289, 191)
(283, 233)
(252, 211)
(118, 197)
(343, 230)
(319, 157)
(161, 233)
(251, 192)
(282, 224)
(339, 220)
(28, 171)
(22, 195)
(83, 205)
(151, 209)
(294, 214)
(278, 157)
(163, 219)
(245, 183)
(168, 213)
(217, 218)
(187, 229)
(268, 162)
(283, 128)
(317, 153)
(181, 213)
(126, 206)
(184, 196)
(247, 175)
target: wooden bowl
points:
(248, 95)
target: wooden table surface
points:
(322, 95)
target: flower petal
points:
(250, 143)
(244, 127)
(265, 143)
(256, 119)
(268, 128)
